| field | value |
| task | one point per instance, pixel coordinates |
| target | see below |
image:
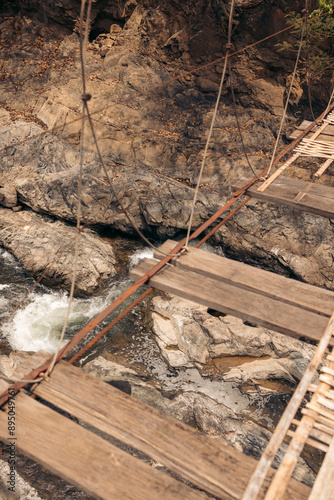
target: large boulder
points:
(189, 336)
(44, 245)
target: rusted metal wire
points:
(215, 229)
(114, 322)
(285, 151)
(92, 324)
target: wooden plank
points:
(323, 167)
(323, 487)
(303, 126)
(146, 428)
(322, 137)
(79, 456)
(206, 463)
(86, 460)
(230, 299)
(283, 191)
(266, 283)
(278, 172)
(328, 131)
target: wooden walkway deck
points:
(327, 135)
(103, 470)
(264, 298)
(305, 196)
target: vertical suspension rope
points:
(289, 93)
(83, 43)
(228, 46)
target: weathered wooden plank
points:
(293, 186)
(324, 136)
(323, 487)
(266, 283)
(283, 191)
(86, 460)
(245, 304)
(205, 462)
(138, 425)
(323, 167)
(328, 131)
(300, 129)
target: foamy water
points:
(138, 255)
(38, 323)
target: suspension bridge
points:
(111, 445)
(179, 462)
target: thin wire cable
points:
(237, 120)
(83, 43)
(143, 92)
(124, 210)
(212, 122)
(287, 101)
(308, 69)
(83, 39)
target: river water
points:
(37, 323)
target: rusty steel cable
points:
(114, 322)
(33, 374)
(83, 43)
(82, 333)
(148, 291)
(221, 223)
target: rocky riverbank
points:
(227, 378)
(152, 143)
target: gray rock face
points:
(151, 199)
(152, 144)
(41, 244)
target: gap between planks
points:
(211, 464)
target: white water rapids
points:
(38, 322)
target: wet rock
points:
(41, 244)
(188, 336)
